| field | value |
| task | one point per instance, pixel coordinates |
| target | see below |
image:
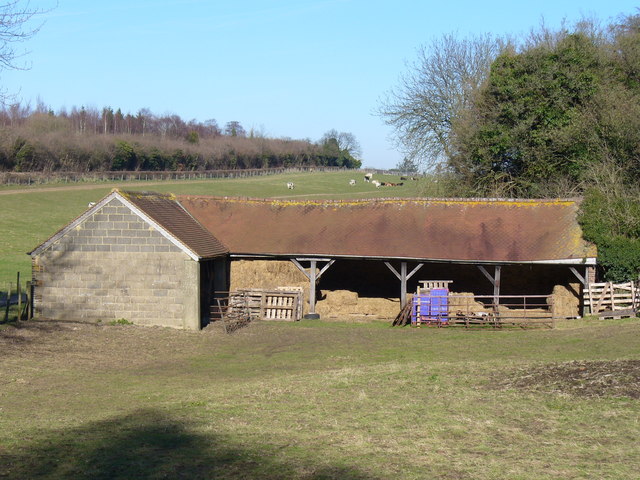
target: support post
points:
(314, 276)
(589, 272)
(403, 277)
(495, 281)
(312, 290)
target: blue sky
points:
(285, 68)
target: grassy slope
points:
(27, 219)
(308, 400)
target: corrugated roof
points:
(448, 230)
(169, 214)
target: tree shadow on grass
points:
(149, 445)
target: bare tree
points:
(437, 87)
(15, 16)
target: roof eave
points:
(565, 261)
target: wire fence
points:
(41, 178)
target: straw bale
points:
(344, 304)
(340, 297)
(565, 301)
(267, 274)
(466, 303)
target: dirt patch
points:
(617, 378)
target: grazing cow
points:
(367, 177)
(403, 178)
(290, 185)
(352, 182)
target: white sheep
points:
(376, 183)
(352, 182)
(290, 185)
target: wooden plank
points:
(629, 312)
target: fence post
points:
(6, 310)
(29, 306)
(19, 289)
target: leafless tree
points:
(15, 19)
(437, 87)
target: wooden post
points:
(312, 288)
(29, 305)
(495, 281)
(6, 310)
(613, 298)
(19, 297)
(403, 276)
(314, 276)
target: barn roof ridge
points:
(386, 200)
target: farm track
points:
(84, 187)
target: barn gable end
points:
(115, 262)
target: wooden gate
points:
(608, 297)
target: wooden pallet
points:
(274, 304)
(617, 314)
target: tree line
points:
(87, 139)
(553, 114)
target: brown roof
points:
(169, 214)
(448, 230)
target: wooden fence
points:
(19, 296)
(607, 299)
(478, 311)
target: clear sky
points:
(285, 68)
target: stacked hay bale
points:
(347, 305)
(466, 304)
(566, 300)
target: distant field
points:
(28, 216)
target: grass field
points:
(28, 216)
(319, 400)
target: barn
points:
(135, 256)
(375, 247)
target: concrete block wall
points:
(115, 265)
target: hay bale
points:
(465, 302)
(267, 274)
(340, 297)
(566, 300)
(344, 304)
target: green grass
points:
(27, 219)
(311, 400)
